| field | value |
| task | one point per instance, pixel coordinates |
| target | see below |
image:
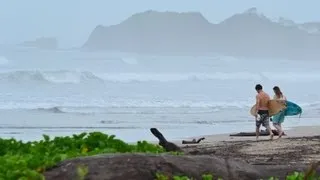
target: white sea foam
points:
(76, 77)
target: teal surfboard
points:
(292, 109)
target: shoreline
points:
(291, 132)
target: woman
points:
(278, 119)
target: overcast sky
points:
(72, 21)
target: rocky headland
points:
(248, 34)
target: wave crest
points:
(49, 76)
(148, 107)
(76, 77)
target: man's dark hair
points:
(258, 87)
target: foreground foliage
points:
(292, 176)
(28, 160)
(310, 174)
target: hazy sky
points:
(72, 21)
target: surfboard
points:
(274, 106)
(292, 109)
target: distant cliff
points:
(43, 43)
(247, 34)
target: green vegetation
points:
(310, 174)
(160, 176)
(20, 161)
(82, 171)
(293, 176)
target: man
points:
(262, 111)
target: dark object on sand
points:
(262, 133)
(193, 141)
(168, 146)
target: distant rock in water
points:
(42, 43)
(52, 110)
(247, 34)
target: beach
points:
(300, 146)
(293, 132)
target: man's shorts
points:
(264, 119)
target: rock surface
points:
(145, 167)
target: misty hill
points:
(247, 34)
(311, 27)
(43, 43)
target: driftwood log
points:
(194, 141)
(262, 133)
(168, 146)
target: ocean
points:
(63, 92)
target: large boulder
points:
(145, 167)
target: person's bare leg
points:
(257, 133)
(270, 132)
(276, 125)
(280, 131)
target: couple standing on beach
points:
(262, 113)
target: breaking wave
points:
(49, 76)
(147, 107)
(76, 77)
(130, 107)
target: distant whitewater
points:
(76, 77)
(62, 79)
(59, 93)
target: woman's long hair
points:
(277, 91)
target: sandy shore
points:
(293, 132)
(301, 145)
